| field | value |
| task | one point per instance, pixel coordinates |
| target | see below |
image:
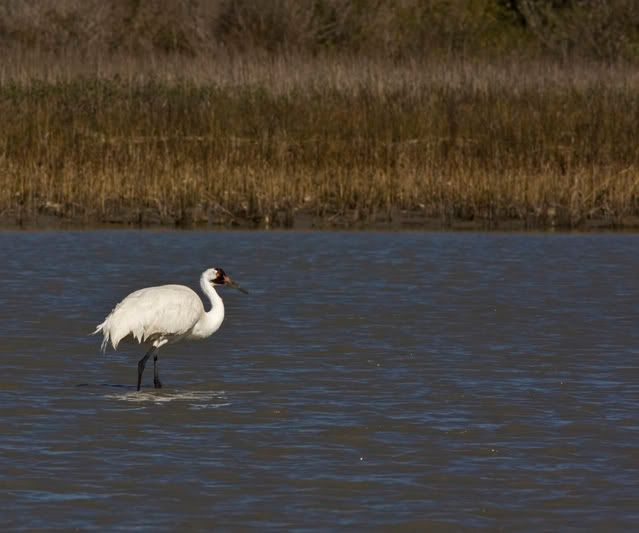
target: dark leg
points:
(142, 364)
(156, 374)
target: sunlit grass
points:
(256, 143)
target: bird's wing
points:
(152, 313)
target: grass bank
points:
(295, 141)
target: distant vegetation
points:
(599, 29)
(326, 112)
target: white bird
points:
(166, 314)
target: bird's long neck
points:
(211, 320)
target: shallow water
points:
(391, 380)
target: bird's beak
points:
(230, 283)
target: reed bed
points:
(298, 141)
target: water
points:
(392, 380)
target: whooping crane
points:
(166, 314)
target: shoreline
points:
(398, 220)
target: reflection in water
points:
(199, 399)
(415, 380)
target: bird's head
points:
(217, 277)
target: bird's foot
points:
(157, 384)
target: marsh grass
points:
(266, 142)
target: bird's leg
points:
(142, 364)
(156, 375)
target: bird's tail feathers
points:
(104, 344)
(105, 340)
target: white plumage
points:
(166, 314)
(153, 315)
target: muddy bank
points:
(55, 216)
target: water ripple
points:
(369, 381)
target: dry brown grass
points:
(264, 140)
